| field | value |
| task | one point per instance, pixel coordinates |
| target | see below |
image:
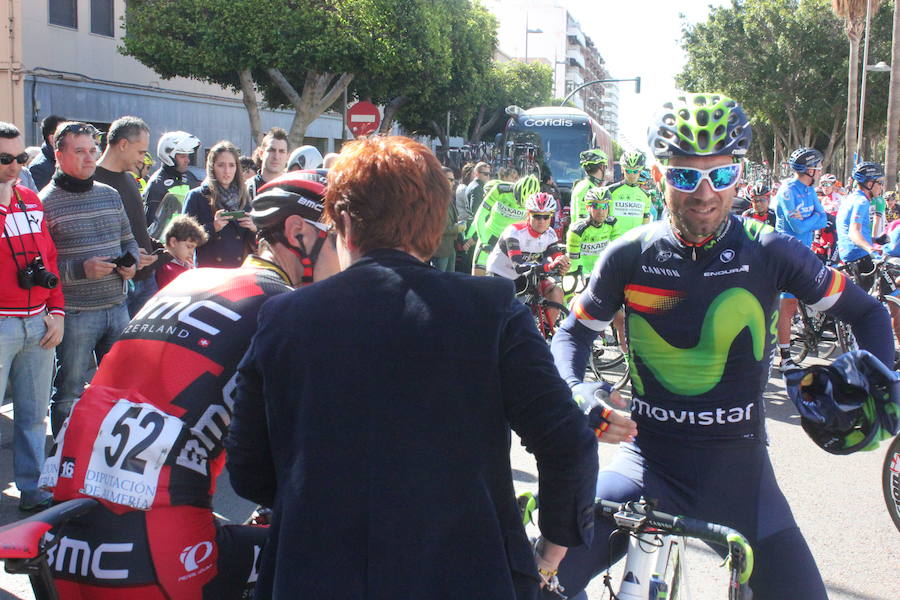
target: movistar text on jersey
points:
(720, 416)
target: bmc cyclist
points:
(760, 193)
(146, 438)
(588, 238)
(630, 204)
(594, 164)
(503, 205)
(700, 291)
(532, 241)
(798, 213)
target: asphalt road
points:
(836, 500)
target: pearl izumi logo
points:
(193, 558)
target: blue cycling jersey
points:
(854, 209)
(701, 322)
(798, 211)
(892, 248)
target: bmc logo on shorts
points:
(192, 557)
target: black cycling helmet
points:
(706, 124)
(849, 405)
(293, 193)
(867, 171)
(803, 158)
(760, 188)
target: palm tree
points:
(853, 12)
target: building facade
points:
(62, 59)
(545, 31)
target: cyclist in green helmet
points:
(594, 163)
(630, 204)
(503, 205)
(588, 238)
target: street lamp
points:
(636, 80)
(879, 67)
(529, 31)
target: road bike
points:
(656, 558)
(890, 481)
(811, 329)
(25, 550)
(534, 277)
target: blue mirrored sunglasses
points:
(688, 179)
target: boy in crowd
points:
(183, 235)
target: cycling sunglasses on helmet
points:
(6, 159)
(688, 179)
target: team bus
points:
(549, 139)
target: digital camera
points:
(36, 274)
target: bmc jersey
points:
(146, 437)
(854, 209)
(630, 205)
(701, 321)
(585, 242)
(519, 245)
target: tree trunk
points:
(854, 34)
(390, 112)
(442, 136)
(248, 93)
(320, 91)
(893, 115)
(483, 129)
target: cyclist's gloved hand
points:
(589, 394)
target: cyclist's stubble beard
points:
(697, 216)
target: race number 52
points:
(130, 450)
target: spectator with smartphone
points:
(96, 255)
(220, 205)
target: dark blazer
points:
(227, 247)
(382, 443)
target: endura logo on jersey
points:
(199, 314)
(697, 370)
(76, 557)
(510, 212)
(732, 271)
(727, 255)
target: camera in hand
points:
(125, 261)
(36, 274)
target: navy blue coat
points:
(372, 413)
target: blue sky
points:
(640, 38)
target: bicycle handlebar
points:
(640, 516)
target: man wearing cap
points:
(170, 378)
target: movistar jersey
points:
(854, 209)
(577, 208)
(630, 206)
(798, 211)
(585, 242)
(701, 322)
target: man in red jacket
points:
(31, 316)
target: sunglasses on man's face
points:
(688, 179)
(632, 171)
(604, 206)
(6, 159)
(541, 216)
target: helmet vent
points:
(703, 139)
(700, 100)
(686, 132)
(703, 118)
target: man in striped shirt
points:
(31, 316)
(97, 255)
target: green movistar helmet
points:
(525, 187)
(707, 124)
(593, 158)
(632, 160)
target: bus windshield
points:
(558, 149)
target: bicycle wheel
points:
(548, 331)
(890, 481)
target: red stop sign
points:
(363, 118)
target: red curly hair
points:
(395, 192)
